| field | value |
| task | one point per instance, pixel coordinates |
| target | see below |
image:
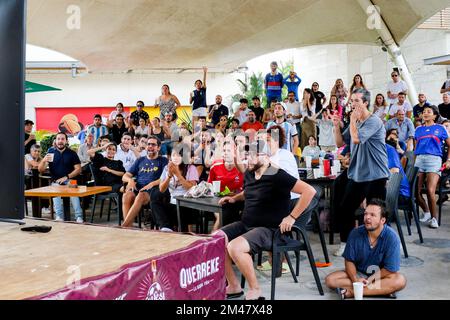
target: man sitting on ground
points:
(372, 256)
(147, 171)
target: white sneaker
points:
(166, 230)
(59, 219)
(80, 220)
(340, 250)
(433, 224)
(426, 216)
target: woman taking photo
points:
(429, 141)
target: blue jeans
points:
(59, 208)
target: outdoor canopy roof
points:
(119, 35)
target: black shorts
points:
(259, 239)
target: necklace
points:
(372, 243)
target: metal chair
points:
(410, 206)
(104, 196)
(392, 192)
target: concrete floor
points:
(427, 269)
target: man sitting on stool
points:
(372, 256)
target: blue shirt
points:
(292, 85)
(394, 162)
(274, 85)
(429, 139)
(405, 129)
(146, 170)
(199, 99)
(63, 163)
(385, 255)
(98, 132)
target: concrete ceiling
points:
(118, 35)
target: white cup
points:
(308, 161)
(216, 186)
(334, 171)
(51, 157)
(358, 288)
(316, 173)
(337, 166)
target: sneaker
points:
(80, 220)
(340, 250)
(46, 211)
(59, 219)
(166, 230)
(433, 224)
(426, 216)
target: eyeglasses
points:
(139, 106)
(152, 144)
(394, 75)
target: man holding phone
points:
(141, 178)
(64, 165)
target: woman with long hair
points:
(429, 142)
(340, 91)
(308, 110)
(334, 108)
(222, 126)
(380, 107)
(167, 102)
(357, 83)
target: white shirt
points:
(294, 109)
(289, 130)
(406, 106)
(112, 115)
(285, 160)
(243, 116)
(127, 158)
(396, 88)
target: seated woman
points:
(32, 159)
(225, 171)
(176, 179)
(311, 150)
(107, 171)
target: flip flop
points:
(235, 295)
(323, 264)
(341, 292)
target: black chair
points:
(315, 211)
(392, 192)
(409, 155)
(300, 242)
(111, 196)
(410, 207)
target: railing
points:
(440, 20)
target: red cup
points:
(326, 167)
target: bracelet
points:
(290, 215)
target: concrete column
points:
(394, 50)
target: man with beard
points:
(64, 165)
(290, 131)
(217, 110)
(118, 128)
(372, 256)
(266, 199)
(141, 178)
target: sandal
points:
(341, 292)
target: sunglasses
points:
(152, 144)
(394, 75)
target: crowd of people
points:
(255, 152)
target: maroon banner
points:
(196, 272)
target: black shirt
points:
(259, 113)
(318, 95)
(221, 111)
(444, 110)
(63, 163)
(135, 115)
(103, 178)
(199, 99)
(418, 110)
(118, 132)
(267, 199)
(29, 144)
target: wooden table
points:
(203, 204)
(66, 192)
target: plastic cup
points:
(216, 187)
(337, 166)
(51, 157)
(308, 161)
(334, 172)
(316, 173)
(358, 288)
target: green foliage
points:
(46, 143)
(41, 134)
(186, 119)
